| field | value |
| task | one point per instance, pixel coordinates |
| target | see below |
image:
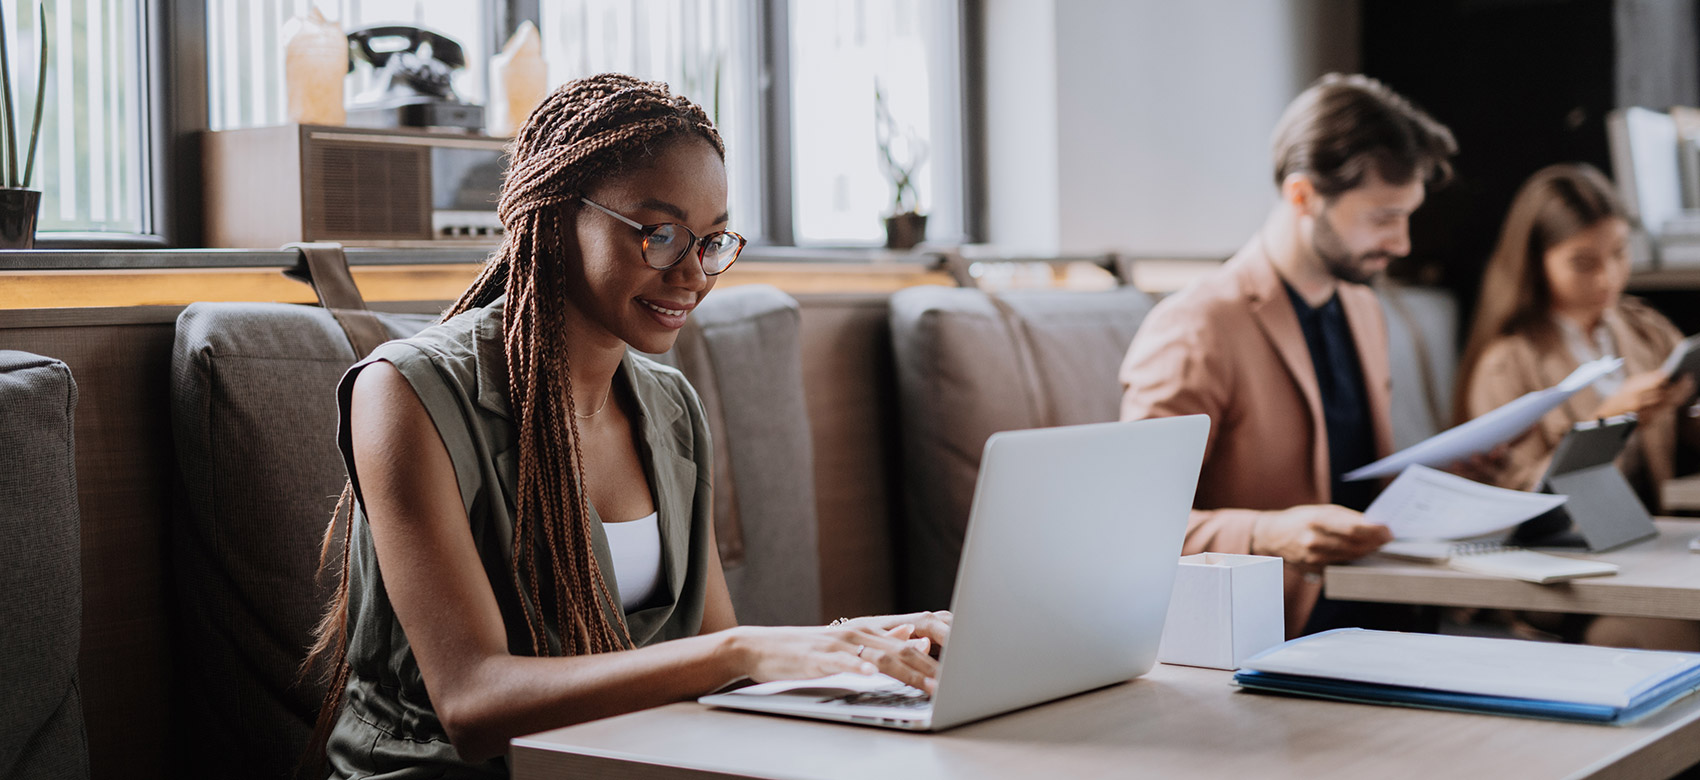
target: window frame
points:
(174, 102)
(158, 62)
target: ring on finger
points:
(860, 649)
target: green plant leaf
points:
(40, 91)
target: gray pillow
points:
(41, 717)
(742, 353)
(254, 416)
(967, 368)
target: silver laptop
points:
(1072, 546)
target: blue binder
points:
(1470, 674)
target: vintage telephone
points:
(411, 82)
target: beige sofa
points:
(136, 641)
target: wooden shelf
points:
(1670, 279)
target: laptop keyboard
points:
(904, 698)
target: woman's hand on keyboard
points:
(862, 646)
(931, 626)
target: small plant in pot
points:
(18, 203)
(901, 153)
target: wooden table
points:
(1659, 577)
(1175, 722)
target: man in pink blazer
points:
(1285, 349)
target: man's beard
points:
(1336, 258)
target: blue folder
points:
(1679, 676)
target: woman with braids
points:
(529, 538)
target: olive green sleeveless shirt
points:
(387, 727)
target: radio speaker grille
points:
(365, 192)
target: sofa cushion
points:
(969, 365)
(41, 720)
(741, 352)
(1422, 348)
(254, 420)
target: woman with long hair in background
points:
(1552, 298)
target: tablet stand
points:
(1602, 511)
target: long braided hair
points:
(584, 132)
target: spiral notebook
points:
(1499, 560)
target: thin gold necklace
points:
(599, 408)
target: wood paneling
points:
(852, 405)
(182, 286)
(125, 467)
(177, 287)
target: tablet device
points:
(1684, 359)
(1602, 511)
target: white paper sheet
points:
(1489, 430)
(1427, 504)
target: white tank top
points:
(635, 547)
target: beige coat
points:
(1230, 347)
(1519, 363)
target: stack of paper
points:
(1476, 674)
(1427, 504)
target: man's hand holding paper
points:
(1316, 535)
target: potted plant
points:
(901, 153)
(18, 203)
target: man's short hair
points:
(1342, 127)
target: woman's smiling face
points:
(613, 288)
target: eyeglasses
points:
(665, 244)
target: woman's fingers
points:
(902, 658)
(935, 626)
(907, 664)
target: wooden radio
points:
(269, 186)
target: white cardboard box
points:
(1225, 609)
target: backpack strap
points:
(323, 266)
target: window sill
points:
(50, 259)
(157, 259)
(59, 279)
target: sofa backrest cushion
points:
(969, 365)
(1422, 347)
(741, 351)
(41, 717)
(254, 420)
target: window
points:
(245, 86)
(89, 164)
(705, 50)
(841, 52)
(831, 190)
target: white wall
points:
(1021, 130)
(1143, 126)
